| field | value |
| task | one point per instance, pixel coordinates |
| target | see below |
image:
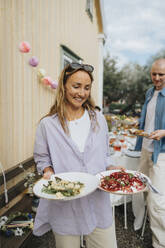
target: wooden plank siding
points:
(46, 25)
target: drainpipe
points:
(101, 39)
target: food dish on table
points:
(83, 184)
(121, 182)
(139, 132)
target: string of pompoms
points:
(24, 47)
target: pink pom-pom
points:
(47, 80)
(33, 61)
(24, 47)
(54, 85)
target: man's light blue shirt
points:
(159, 145)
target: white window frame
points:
(68, 56)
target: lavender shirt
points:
(54, 147)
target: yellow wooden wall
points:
(45, 24)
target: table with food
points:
(122, 139)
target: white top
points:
(148, 144)
(79, 130)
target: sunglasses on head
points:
(76, 66)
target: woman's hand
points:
(157, 134)
(111, 167)
(48, 171)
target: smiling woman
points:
(77, 89)
(73, 93)
(73, 137)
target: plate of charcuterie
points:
(121, 182)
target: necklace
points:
(75, 118)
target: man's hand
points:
(157, 134)
(48, 171)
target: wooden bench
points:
(18, 241)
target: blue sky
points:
(135, 29)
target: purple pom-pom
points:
(54, 85)
(33, 61)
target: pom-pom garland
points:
(49, 82)
(33, 61)
(41, 73)
(24, 47)
(54, 85)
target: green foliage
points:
(114, 106)
(113, 77)
(126, 87)
(138, 81)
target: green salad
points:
(62, 188)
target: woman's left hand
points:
(157, 134)
(111, 167)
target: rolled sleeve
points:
(41, 150)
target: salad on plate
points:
(121, 182)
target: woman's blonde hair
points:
(59, 107)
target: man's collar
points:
(163, 91)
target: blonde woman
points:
(74, 137)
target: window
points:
(89, 8)
(67, 56)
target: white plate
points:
(90, 182)
(132, 154)
(108, 172)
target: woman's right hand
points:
(48, 171)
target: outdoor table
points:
(130, 163)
